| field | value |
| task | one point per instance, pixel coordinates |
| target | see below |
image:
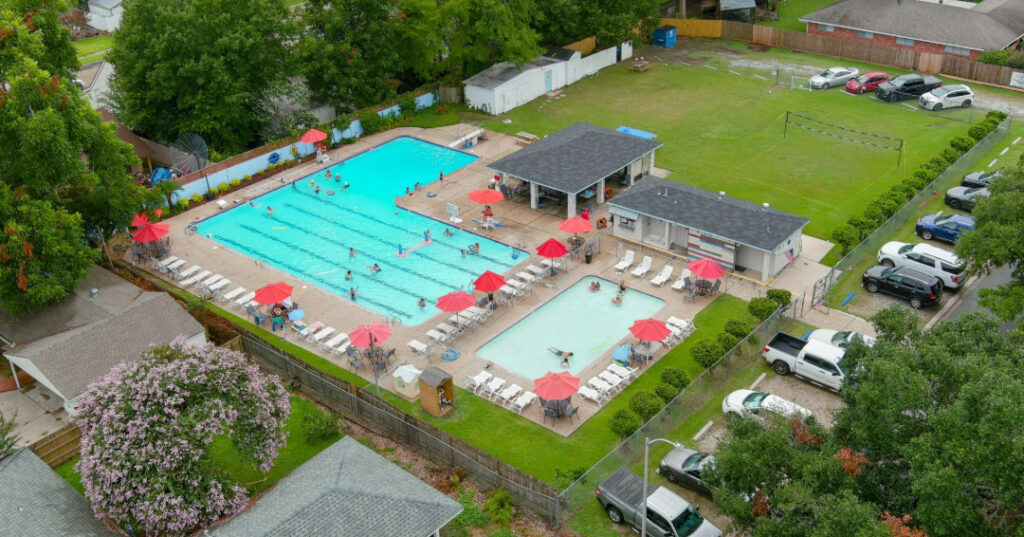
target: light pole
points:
(647, 449)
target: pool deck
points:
(526, 228)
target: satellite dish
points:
(190, 153)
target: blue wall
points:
(253, 166)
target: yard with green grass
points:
(790, 12)
(297, 451)
(92, 45)
(724, 132)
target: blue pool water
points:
(577, 320)
(309, 235)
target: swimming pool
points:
(577, 320)
(309, 235)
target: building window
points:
(826, 28)
(626, 222)
(904, 41)
(959, 51)
(865, 35)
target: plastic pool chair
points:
(491, 389)
(474, 384)
(626, 261)
(593, 395)
(418, 347)
(508, 394)
(522, 402)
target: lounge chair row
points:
(445, 333)
(608, 382)
(493, 388)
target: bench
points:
(526, 138)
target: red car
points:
(866, 82)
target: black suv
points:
(913, 286)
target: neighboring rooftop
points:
(502, 72)
(736, 220)
(992, 24)
(561, 54)
(36, 502)
(345, 490)
(574, 158)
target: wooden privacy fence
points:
(849, 50)
(59, 447)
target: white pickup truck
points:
(816, 361)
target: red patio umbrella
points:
(140, 220)
(556, 386)
(576, 225)
(368, 335)
(486, 196)
(707, 269)
(488, 282)
(650, 330)
(151, 232)
(273, 293)
(456, 302)
(552, 249)
(313, 136)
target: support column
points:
(650, 165)
(572, 205)
(14, 371)
(600, 191)
(534, 194)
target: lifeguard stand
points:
(437, 394)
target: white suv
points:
(924, 258)
(957, 95)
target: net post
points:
(785, 126)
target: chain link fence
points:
(663, 425)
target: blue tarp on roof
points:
(637, 132)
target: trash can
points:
(588, 257)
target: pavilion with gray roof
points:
(36, 502)
(740, 236)
(576, 161)
(345, 490)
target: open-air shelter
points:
(576, 163)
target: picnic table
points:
(640, 66)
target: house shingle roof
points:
(36, 502)
(574, 158)
(736, 220)
(502, 72)
(344, 491)
(993, 24)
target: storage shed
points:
(437, 393)
(738, 10)
(406, 381)
(503, 86)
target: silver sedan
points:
(833, 76)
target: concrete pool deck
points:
(526, 228)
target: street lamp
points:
(647, 448)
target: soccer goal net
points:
(846, 134)
(799, 83)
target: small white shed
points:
(503, 86)
(406, 381)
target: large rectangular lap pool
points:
(577, 320)
(309, 235)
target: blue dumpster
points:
(665, 36)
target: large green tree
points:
(210, 67)
(41, 18)
(611, 22)
(479, 33)
(998, 241)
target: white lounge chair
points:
(508, 394)
(163, 263)
(474, 384)
(552, 264)
(452, 331)
(626, 261)
(212, 280)
(342, 348)
(335, 341)
(592, 394)
(681, 282)
(195, 279)
(518, 285)
(492, 388)
(242, 302)
(188, 272)
(527, 277)
(311, 329)
(439, 337)
(681, 328)
(228, 297)
(616, 382)
(522, 402)
(320, 335)
(601, 386)
(418, 347)
(217, 286)
(537, 271)
(624, 372)
(509, 290)
(172, 269)
(663, 276)
(643, 268)
(463, 320)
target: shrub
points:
(727, 341)
(371, 122)
(977, 132)
(348, 141)
(904, 190)
(235, 183)
(950, 155)
(996, 115)
(215, 156)
(214, 190)
(319, 425)
(624, 423)
(739, 328)
(762, 307)
(844, 236)
(781, 297)
(500, 507)
(645, 404)
(922, 178)
(888, 205)
(470, 517)
(995, 56)
(706, 352)
(197, 198)
(247, 177)
(937, 164)
(263, 171)
(223, 187)
(874, 215)
(861, 225)
(676, 377)
(910, 185)
(566, 477)
(666, 392)
(961, 144)
(8, 439)
(408, 107)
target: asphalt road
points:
(969, 302)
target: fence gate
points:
(822, 288)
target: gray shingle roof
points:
(73, 359)
(36, 502)
(434, 376)
(729, 218)
(346, 490)
(502, 72)
(991, 24)
(574, 158)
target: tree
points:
(167, 189)
(43, 19)
(347, 52)
(420, 41)
(998, 241)
(147, 428)
(8, 440)
(480, 33)
(208, 67)
(43, 254)
(611, 22)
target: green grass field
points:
(790, 12)
(724, 132)
(297, 451)
(92, 45)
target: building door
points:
(547, 81)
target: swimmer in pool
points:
(352, 293)
(348, 275)
(422, 303)
(448, 232)
(270, 210)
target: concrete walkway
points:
(36, 410)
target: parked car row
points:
(928, 90)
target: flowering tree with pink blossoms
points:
(147, 427)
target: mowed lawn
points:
(724, 132)
(790, 12)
